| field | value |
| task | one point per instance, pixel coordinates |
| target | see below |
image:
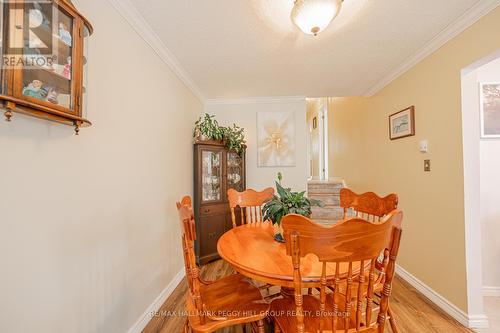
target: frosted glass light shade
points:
(314, 16)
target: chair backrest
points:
(353, 245)
(188, 231)
(368, 206)
(250, 203)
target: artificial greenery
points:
(288, 202)
(234, 136)
(235, 139)
(209, 127)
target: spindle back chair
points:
(250, 204)
(375, 209)
(368, 206)
(216, 304)
(188, 231)
(347, 243)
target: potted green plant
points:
(207, 128)
(235, 139)
(287, 202)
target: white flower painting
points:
(276, 139)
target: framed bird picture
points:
(402, 123)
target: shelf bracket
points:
(77, 128)
(8, 112)
(8, 115)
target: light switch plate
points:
(427, 165)
(424, 146)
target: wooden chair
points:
(214, 305)
(354, 244)
(250, 203)
(368, 206)
(372, 208)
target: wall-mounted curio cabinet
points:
(43, 67)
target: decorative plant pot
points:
(278, 233)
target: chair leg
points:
(260, 326)
(392, 321)
(186, 328)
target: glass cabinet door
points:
(85, 71)
(3, 85)
(211, 175)
(49, 78)
(235, 175)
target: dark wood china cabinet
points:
(215, 171)
(44, 65)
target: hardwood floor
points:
(413, 312)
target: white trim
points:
(255, 100)
(479, 321)
(144, 30)
(326, 140)
(474, 321)
(471, 171)
(491, 291)
(470, 17)
(157, 303)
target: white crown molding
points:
(491, 291)
(157, 304)
(255, 100)
(470, 17)
(128, 11)
(471, 321)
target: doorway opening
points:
(481, 153)
(317, 122)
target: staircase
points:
(327, 191)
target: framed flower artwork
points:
(276, 139)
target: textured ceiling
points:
(249, 48)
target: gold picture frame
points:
(402, 124)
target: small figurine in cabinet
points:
(35, 89)
(64, 34)
(67, 69)
(50, 63)
(52, 96)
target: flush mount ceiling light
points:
(314, 16)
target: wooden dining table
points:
(252, 251)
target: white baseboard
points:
(470, 321)
(491, 291)
(158, 302)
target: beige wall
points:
(244, 114)
(433, 247)
(89, 234)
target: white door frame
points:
(309, 152)
(323, 139)
(471, 163)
